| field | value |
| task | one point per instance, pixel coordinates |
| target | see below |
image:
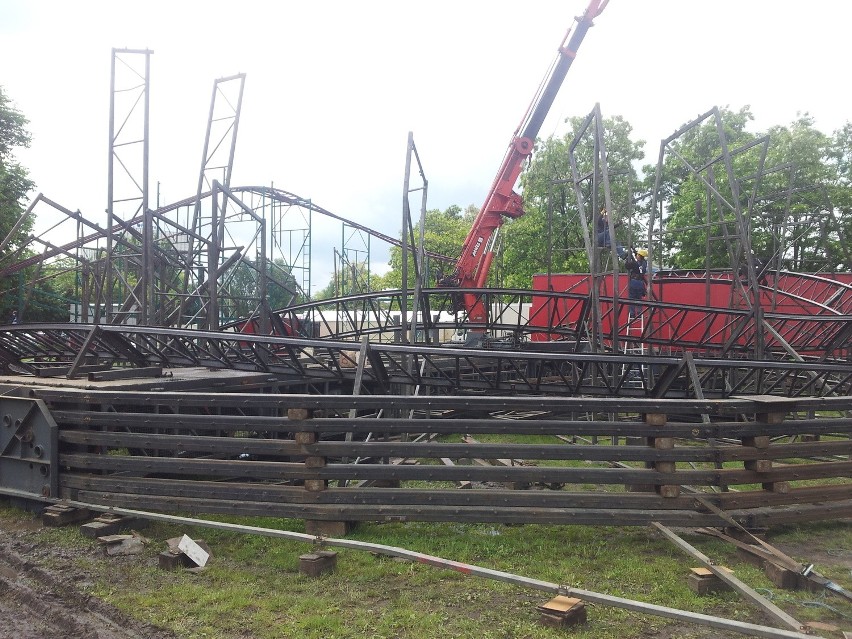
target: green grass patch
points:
(253, 588)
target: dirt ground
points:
(37, 603)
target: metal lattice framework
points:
(218, 283)
(74, 350)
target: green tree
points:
(784, 178)
(685, 196)
(805, 235)
(348, 280)
(839, 190)
(241, 294)
(15, 185)
(444, 233)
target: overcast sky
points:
(333, 88)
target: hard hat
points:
(642, 252)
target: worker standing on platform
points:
(637, 268)
(603, 236)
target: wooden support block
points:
(107, 524)
(174, 558)
(656, 419)
(662, 443)
(322, 528)
(758, 465)
(318, 563)
(703, 582)
(298, 413)
(668, 491)
(170, 561)
(760, 441)
(315, 485)
(782, 487)
(770, 418)
(62, 515)
(781, 577)
(305, 438)
(562, 612)
(314, 462)
(750, 557)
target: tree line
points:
(798, 215)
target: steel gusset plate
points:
(28, 448)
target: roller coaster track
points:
(73, 350)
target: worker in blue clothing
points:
(636, 266)
(602, 233)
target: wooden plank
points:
(770, 608)
(689, 430)
(531, 474)
(471, 514)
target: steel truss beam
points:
(40, 349)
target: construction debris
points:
(184, 552)
(782, 570)
(114, 545)
(746, 591)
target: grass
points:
(253, 588)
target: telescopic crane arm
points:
(474, 262)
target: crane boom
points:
(502, 201)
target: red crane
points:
(477, 253)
